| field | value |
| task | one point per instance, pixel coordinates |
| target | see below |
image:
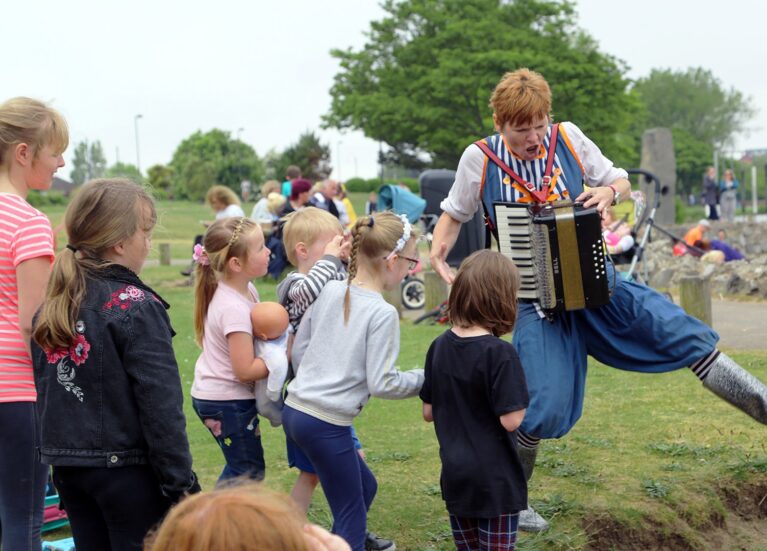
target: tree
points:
(422, 82)
(212, 158)
(693, 156)
(125, 170)
(88, 162)
(160, 177)
(695, 101)
(308, 154)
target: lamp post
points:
(135, 128)
(239, 131)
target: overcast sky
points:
(262, 69)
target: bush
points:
(374, 184)
(46, 198)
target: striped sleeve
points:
(304, 291)
(33, 240)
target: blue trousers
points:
(638, 330)
(22, 477)
(348, 484)
(234, 425)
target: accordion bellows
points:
(558, 250)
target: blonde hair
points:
(102, 214)
(305, 226)
(225, 238)
(270, 186)
(484, 293)
(520, 98)
(244, 518)
(223, 195)
(29, 121)
(275, 202)
(373, 238)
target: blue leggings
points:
(348, 484)
(22, 477)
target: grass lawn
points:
(657, 462)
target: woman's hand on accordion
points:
(601, 197)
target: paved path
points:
(741, 325)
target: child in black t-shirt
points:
(476, 394)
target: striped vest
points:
(497, 186)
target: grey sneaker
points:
(530, 521)
(374, 543)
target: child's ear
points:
(234, 264)
(302, 251)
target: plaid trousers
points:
(485, 534)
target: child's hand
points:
(338, 247)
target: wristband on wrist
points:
(616, 194)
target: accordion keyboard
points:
(515, 242)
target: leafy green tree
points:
(693, 156)
(695, 101)
(213, 158)
(88, 162)
(422, 82)
(125, 170)
(308, 154)
(160, 177)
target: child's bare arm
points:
(427, 416)
(512, 420)
(245, 365)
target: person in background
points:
(711, 194)
(260, 211)
(728, 195)
(324, 197)
(225, 204)
(111, 403)
(245, 187)
(350, 215)
(371, 205)
(300, 194)
(33, 137)
(292, 173)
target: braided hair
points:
(373, 237)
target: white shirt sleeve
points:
(600, 170)
(463, 200)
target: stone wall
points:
(745, 277)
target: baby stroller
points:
(403, 201)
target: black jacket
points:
(114, 397)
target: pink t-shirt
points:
(228, 312)
(25, 233)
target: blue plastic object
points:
(401, 201)
(67, 544)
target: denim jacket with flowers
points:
(114, 397)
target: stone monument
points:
(658, 158)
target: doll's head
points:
(269, 319)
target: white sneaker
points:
(530, 521)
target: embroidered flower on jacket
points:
(55, 355)
(124, 297)
(79, 350)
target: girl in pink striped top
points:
(32, 139)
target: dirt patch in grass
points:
(743, 526)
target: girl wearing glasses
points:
(343, 359)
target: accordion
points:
(558, 250)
